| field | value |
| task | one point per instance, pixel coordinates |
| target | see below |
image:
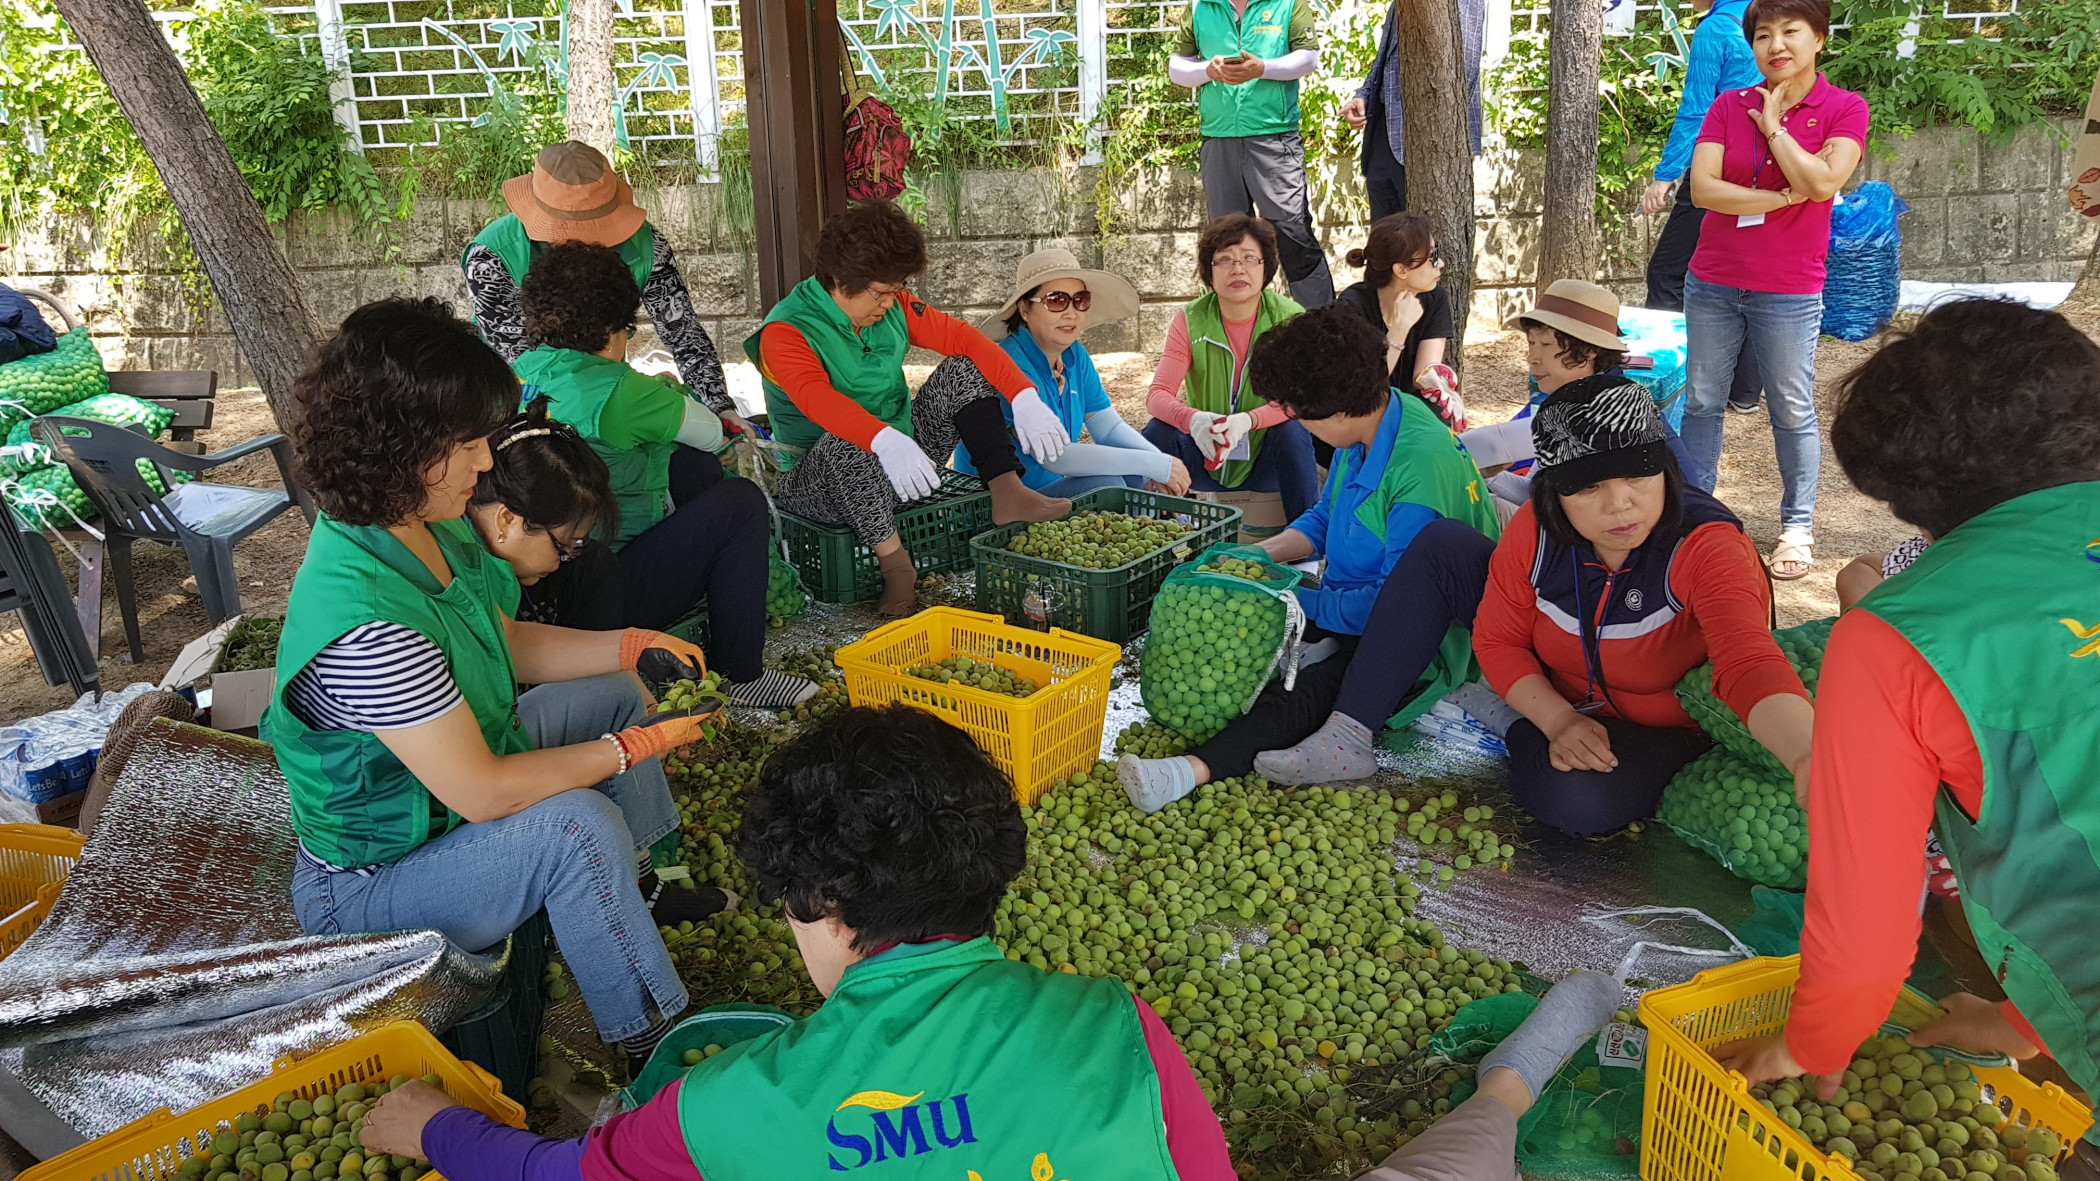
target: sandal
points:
(1795, 548)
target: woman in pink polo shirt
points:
(1768, 163)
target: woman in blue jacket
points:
(1054, 300)
(1405, 523)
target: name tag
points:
(1239, 449)
(1746, 220)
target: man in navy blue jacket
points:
(22, 329)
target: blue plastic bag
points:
(1865, 273)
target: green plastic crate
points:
(503, 1035)
(837, 568)
(1111, 605)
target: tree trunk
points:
(590, 113)
(247, 269)
(2085, 296)
(1568, 229)
(1433, 104)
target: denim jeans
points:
(1070, 486)
(574, 853)
(1781, 331)
(1285, 465)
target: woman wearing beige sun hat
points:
(573, 195)
(1054, 300)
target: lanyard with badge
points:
(1744, 221)
(1240, 450)
(1596, 694)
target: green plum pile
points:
(1236, 568)
(974, 674)
(1211, 650)
(1148, 739)
(1743, 814)
(948, 590)
(301, 1139)
(1096, 540)
(68, 374)
(785, 598)
(1803, 646)
(817, 663)
(1442, 828)
(1901, 1116)
(147, 418)
(555, 981)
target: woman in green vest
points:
(1962, 697)
(1403, 517)
(425, 791)
(859, 443)
(890, 840)
(1206, 411)
(685, 536)
(573, 195)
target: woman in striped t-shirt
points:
(425, 791)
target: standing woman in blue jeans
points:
(425, 791)
(1769, 161)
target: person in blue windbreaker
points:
(1720, 60)
(1053, 302)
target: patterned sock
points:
(640, 1046)
(1571, 1011)
(1154, 783)
(772, 689)
(1341, 749)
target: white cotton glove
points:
(910, 472)
(1232, 431)
(1041, 432)
(1203, 428)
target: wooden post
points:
(798, 152)
(1568, 230)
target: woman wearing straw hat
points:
(1054, 300)
(573, 195)
(1617, 579)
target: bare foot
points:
(1013, 501)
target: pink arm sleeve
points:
(1268, 414)
(1194, 1138)
(1163, 400)
(645, 1144)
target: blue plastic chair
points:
(207, 520)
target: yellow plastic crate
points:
(1699, 1121)
(1052, 733)
(35, 860)
(153, 1148)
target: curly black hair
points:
(889, 818)
(1575, 352)
(1228, 232)
(1326, 362)
(543, 471)
(1984, 400)
(577, 295)
(401, 383)
(873, 242)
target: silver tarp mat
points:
(172, 969)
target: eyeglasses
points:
(1237, 262)
(1435, 259)
(885, 290)
(564, 551)
(1058, 301)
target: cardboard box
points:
(1261, 513)
(63, 811)
(237, 699)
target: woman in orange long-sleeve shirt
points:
(1962, 696)
(860, 443)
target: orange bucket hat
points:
(573, 195)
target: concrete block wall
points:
(1979, 212)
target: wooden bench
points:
(190, 393)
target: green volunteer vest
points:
(1258, 107)
(506, 238)
(1211, 371)
(2006, 609)
(866, 364)
(940, 1061)
(353, 803)
(580, 385)
(1429, 467)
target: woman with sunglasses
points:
(1400, 297)
(860, 443)
(1205, 411)
(683, 535)
(1054, 300)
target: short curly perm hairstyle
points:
(577, 295)
(1326, 362)
(888, 818)
(401, 383)
(873, 242)
(1983, 401)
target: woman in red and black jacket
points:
(1608, 587)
